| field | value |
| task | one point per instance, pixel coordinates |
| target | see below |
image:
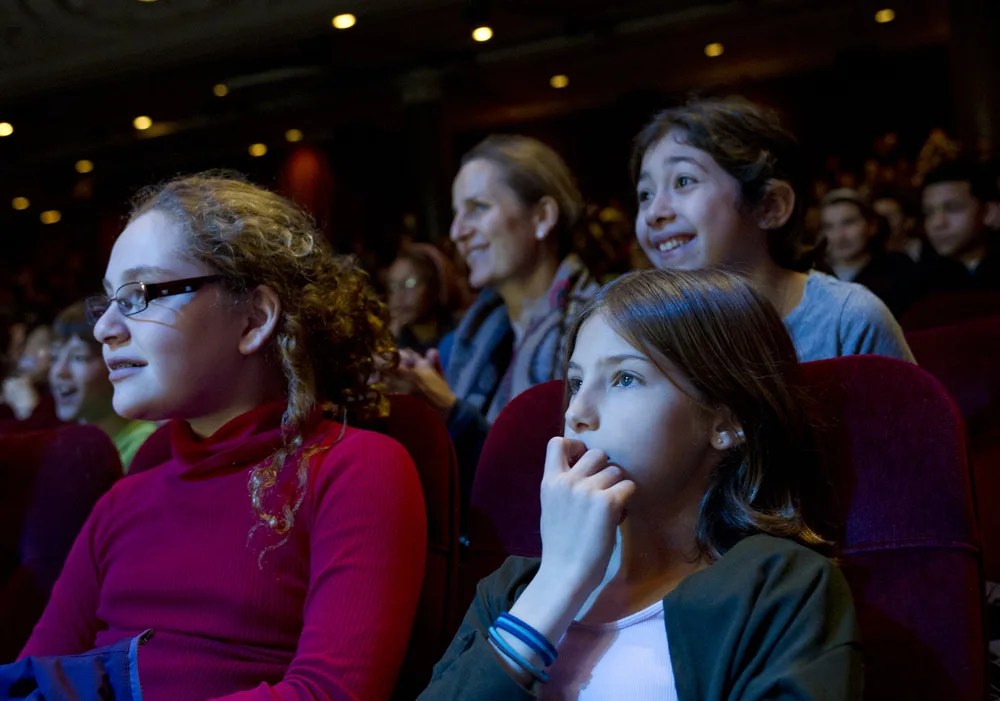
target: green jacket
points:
(771, 619)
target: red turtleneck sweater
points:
(325, 615)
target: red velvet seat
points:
(946, 308)
(424, 434)
(901, 498)
(49, 481)
(964, 357)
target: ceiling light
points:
(84, 166)
(257, 150)
(344, 21)
(6, 128)
(714, 50)
(885, 16)
(142, 123)
(293, 135)
(50, 216)
(220, 89)
(559, 81)
(483, 33)
(20, 203)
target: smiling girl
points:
(78, 379)
(720, 184)
(676, 563)
(278, 553)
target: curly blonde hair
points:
(332, 336)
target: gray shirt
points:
(838, 318)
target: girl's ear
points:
(546, 216)
(263, 313)
(727, 432)
(777, 206)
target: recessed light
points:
(344, 21)
(20, 203)
(50, 216)
(84, 166)
(483, 33)
(220, 89)
(6, 128)
(142, 123)
(714, 50)
(257, 150)
(885, 15)
(559, 81)
(293, 135)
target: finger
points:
(434, 358)
(620, 494)
(555, 457)
(606, 478)
(590, 463)
(574, 450)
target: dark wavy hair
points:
(748, 142)
(713, 328)
(332, 336)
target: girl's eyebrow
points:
(674, 160)
(614, 360)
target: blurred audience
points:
(855, 250)
(960, 204)
(425, 296)
(80, 386)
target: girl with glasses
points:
(278, 552)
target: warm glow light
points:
(293, 135)
(714, 49)
(559, 81)
(50, 216)
(483, 33)
(147, 1)
(142, 123)
(344, 21)
(6, 128)
(257, 150)
(20, 203)
(84, 166)
(220, 89)
(885, 16)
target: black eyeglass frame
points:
(96, 306)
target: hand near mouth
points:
(583, 501)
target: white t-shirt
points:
(625, 659)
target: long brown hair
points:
(332, 336)
(728, 341)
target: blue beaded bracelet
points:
(529, 636)
(539, 674)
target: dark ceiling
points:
(75, 73)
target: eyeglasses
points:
(407, 283)
(134, 297)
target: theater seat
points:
(424, 434)
(946, 308)
(964, 357)
(901, 507)
(49, 481)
